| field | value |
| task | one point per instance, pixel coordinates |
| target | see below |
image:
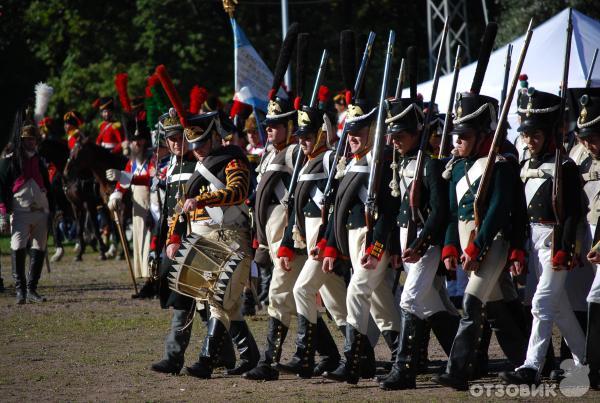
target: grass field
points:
(91, 341)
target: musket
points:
(415, 191)
(341, 146)
(448, 118)
(499, 135)
(313, 103)
(507, 62)
(378, 143)
(588, 81)
(400, 82)
(557, 185)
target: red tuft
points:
(324, 94)
(121, 80)
(167, 83)
(150, 82)
(297, 103)
(272, 93)
(198, 96)
(348, 97)
(238, 107)
(523, 77)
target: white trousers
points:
(313, 279)
(141, 232)
(550, 303)
(29, 226)
(594, 294)
(281, 291)
(368, 292)
(419, 294)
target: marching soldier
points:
(270, 226)
(24, 189)
(421, 301)
(302, 232)
(588, 129)
(137, 176)
(110, 135)
(369, 291)
(486, 253)
(179, 171)
(215, 206)
(540, 112)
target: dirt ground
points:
(90, 341)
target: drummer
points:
(214, 207)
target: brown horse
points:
(86, 186)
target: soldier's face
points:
(308, 144)
(405, 141)
(137, 147)
(202, 150)
(276, 133)
(358, 140)
(592, 143)
(465, 143)
(106, 114)
(29, 144)
(253, 138)
(534, 140)
(177, 145)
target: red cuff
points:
(517, 255)
(174, 239)
(560, 258)
(255, 243)
(375, 250)
(322, 244)
(2, 208)
(472, 250)
(284, 251)
(153, 243)
(449, 251)
(330, 251)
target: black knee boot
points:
(444, 326)
(592, 348)
(482, 359)
(509, 333)
(391, 339)
(303, 360)
(465, 346)
(354, 347)
(246, 346)
(327, 349)
(423, 363)
(36, 265)
(18, 272)
(265, 282)
(404, 370)
(216, 349)
(275, 337)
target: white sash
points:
(471, 176)
(534, 178)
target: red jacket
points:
(110, 136)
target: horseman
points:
(110, 135)
(23, 193)
(137, 176)
(72, 123)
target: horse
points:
(87, 188)
(56, 153)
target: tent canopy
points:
(543, 62)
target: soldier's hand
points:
(369, 262)
(114, 204)
(411, 256)
(516, 269)
(468, 263)
(450, 263)
(396, 261)
(113, 174)
(190, 205)
(328, 263)
(593, 256)
(315, 253)
(172, 250)
(284, 263)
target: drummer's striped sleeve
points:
(236, 187)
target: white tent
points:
(543, 63)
